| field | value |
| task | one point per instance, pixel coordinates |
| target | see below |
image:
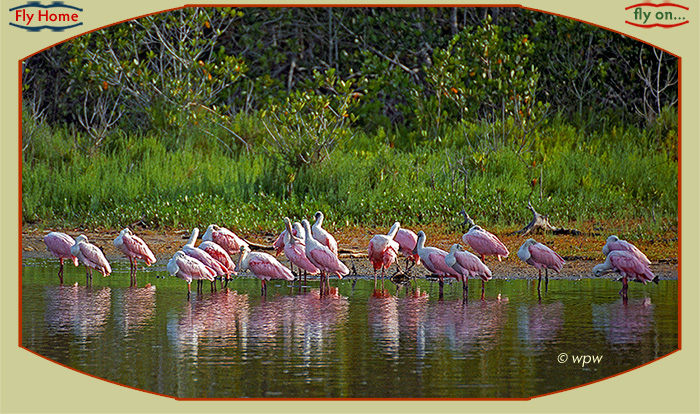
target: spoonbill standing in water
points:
(219, 254)
(626, 264)
(59, 245)
(433, 259)
(295, 250)
(188, 268)
(542, 257)
(467, 264)
(323, 258)
(323, 237)
(91, 257)
(264, 266)
(382, 251)
(134, 248)
(204, 257)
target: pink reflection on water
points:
(624, 322)
(466, 326)
(135, 308)
(540, 324)
(77, 309)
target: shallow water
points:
(357, 342)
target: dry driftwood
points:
(541, 222)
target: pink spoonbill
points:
(323, 236)
(59, 245)
(322, 257)
(188, 268)
(483, 242)
(467, 264)
(91, 256)
(295, 250)
(224, 238)
(433, 259)
(407, 243)
(382, 251)
(135, 249)
(219, 254)
(613, 243)
(541, 257)
(264, 266)
(204, 257)
(628, 265)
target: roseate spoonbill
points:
(613, 243)
(204, 257)
(382, 251)
(322, 257)
(323, 237)
(91, 256)
(433, 259)
(542, 257)
(134, 248)
(407, 242)
(467, 264)
(264, 266)
(224, 238)
(59, 245)
(295, 250)
(626, 264)
(484, 243)
(220, 255)
(279, 241)
(188, 268)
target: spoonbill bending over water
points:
(323, 237)
(134, 248)
(264, 266)
(407, 243)
(628, 265)
(542, 257)
(613, 243)
(382, 251)
(295, 250)
(188, 269)
(91, 256)
(59, 245)
(224, 238)
(433, 259)
(467, 264)
(322, 257)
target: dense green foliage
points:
(242, 116)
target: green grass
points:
(194, 180)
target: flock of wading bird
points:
(314, 251)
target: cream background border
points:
(32, 384)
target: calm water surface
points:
(357, 342)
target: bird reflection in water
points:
(134, 308)
(539, 325)
(624, 322)
(81, 310)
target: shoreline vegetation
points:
(252, 119)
